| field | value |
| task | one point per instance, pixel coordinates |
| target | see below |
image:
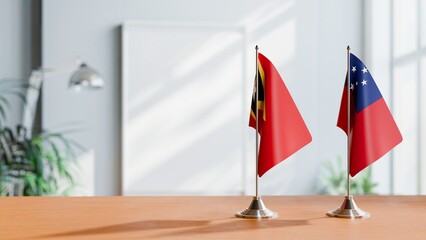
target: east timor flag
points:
(281, 127)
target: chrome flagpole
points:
(348, 209)
(257, 120)
(257, 208)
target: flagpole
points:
(257, 122)
(348, 209)
(257, 208)
(349, 121)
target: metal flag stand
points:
(348, 209)
(257, 208)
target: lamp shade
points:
(86, 77)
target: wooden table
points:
(300, 217)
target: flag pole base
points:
(348, 209)
(257, 209)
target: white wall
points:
(305, 39)
(395, 53)
(15, 47)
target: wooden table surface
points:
(300, 217)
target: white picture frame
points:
(184, 108)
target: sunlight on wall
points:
(213, 45)
(265, 13)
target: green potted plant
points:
(43, 164)
(333, 181)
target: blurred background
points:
(172, 117)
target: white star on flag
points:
(364, 70)
(353, 68)
(364, 82)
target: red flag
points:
(373, 130)
(281, 127)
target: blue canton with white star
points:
(363, 87)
